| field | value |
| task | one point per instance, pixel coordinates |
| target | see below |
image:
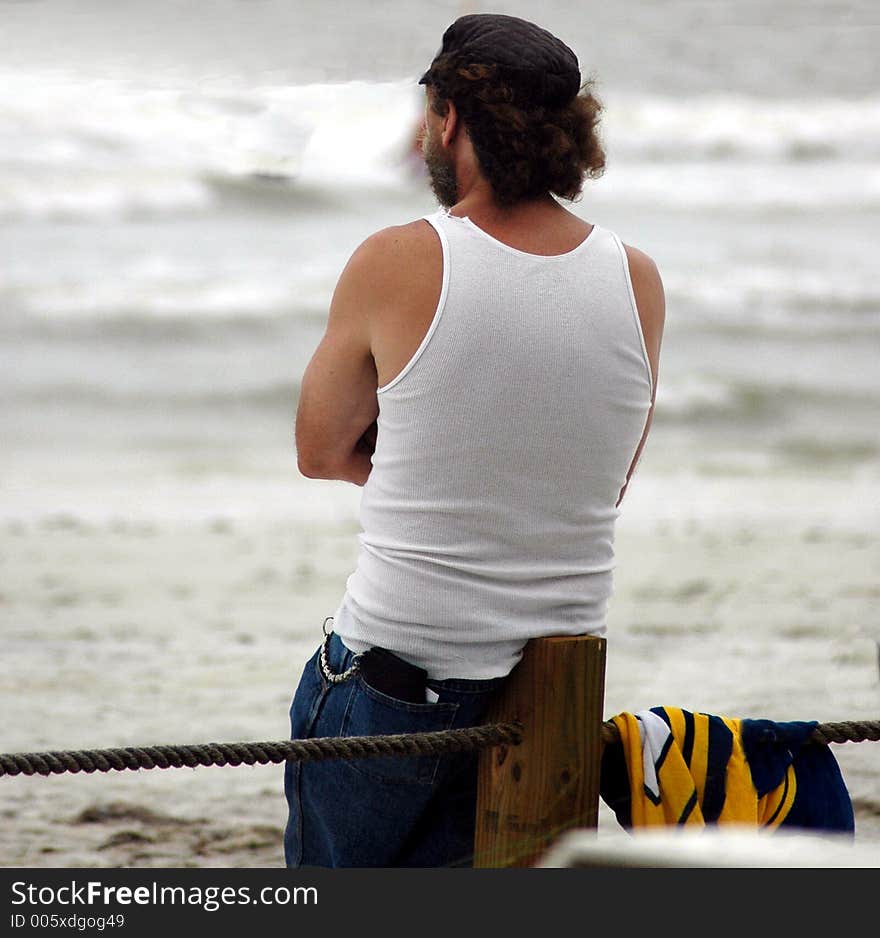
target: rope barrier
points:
(265, 753)
(856, 731)
(315, 750)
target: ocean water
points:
(179, 191)
(171, 234)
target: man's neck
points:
(480, 206)
(538, 226)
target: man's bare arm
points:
(651, 306)
(381, 310)
(337, 401)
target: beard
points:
(441, 172)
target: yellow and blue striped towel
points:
(676, 767)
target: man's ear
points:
(450, 125)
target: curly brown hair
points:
(524, 149)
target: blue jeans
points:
(387, 811)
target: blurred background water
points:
(180, 187)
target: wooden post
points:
(529, 794)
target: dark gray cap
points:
(539, 66)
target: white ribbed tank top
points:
(488, 517)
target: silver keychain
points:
(332, 677)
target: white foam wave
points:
(162, 287)
(99, 196)
(691, 395)
(808, 301)
(97, 149)
(736, 187)
(110, 147)
(725, 127)
(125, 297)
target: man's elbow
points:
(314, 465)
(356, 469)
(312, 456)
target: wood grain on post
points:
(531, 793)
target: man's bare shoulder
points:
(647, 282)
(650, 302)
(641, 264)
(411, 244)
(393, 276)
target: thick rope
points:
(295, 750)
(343, 747)
(851, 732)
(856, 731)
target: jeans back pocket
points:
(369, 712)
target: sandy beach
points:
(196, 632)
